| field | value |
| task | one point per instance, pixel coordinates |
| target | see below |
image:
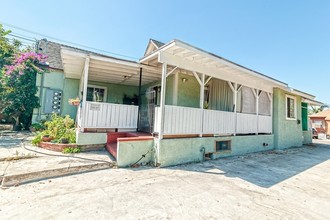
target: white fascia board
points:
(156, 52)
(113, 60)
(303, 94)
(312, 102)
(222, 61)
(67, 51)
(182, 63)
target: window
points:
(222, 146)
(96, 93)
(290, 107)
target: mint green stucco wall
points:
(116, 92)
(287, 133)
(70, 88)
(188, 92)
(186, 150)
(52, 80)
(307, 137)
(129, 152)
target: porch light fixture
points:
(184, 80)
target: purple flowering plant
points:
(18, 83)
(26, 61)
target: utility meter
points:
(53, 99)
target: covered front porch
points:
(208, 96)
(175, 92)
(110, 90)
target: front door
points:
(149, 101)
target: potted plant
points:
(64, 140)
(47, 138)
(74, 102)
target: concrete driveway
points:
(291, 184)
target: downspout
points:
(41, 81)
(139, 100)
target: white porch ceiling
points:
(185, 56)
(107, 69)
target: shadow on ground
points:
(264, 169)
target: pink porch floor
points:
(114, 137)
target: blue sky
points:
(287, 40)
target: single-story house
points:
(321, 122)
(175, 105)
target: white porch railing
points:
(265, 124)
(108, 115)
(246, 123)
(218, 122)
(180, 120)
(184, 120)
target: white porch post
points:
(84, 97)
(201, 96)
(175, 88)
(256, 93)
(162, 100)
(234, 90)
(235, 106)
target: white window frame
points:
(286, 107)
(99, 87)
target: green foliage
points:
(71, 150)
(18, 89)
(38, 126)
(37, 139)
(58, 127)
(19, 95)
(7, 49)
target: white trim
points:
(162, 100)
(286, 107)
(212, 57)
(83, 112)
(99, 87)
(175, 88)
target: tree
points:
(7, 52)
(18, 80)
(318, 109)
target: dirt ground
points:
(292, 184)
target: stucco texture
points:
(129, 152)
(186, 150)
(287, 133)
(70, 89)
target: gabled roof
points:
(323, 114)
(152, 46)
(158, 43)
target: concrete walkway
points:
(291, 184)
(20, 162)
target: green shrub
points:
(58, 127)
(37, 139)
(38, 126)
(71, 150)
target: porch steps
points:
(112, 139)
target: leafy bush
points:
(58, 127)
(37, 139)
(71, 150)
(38, 126)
